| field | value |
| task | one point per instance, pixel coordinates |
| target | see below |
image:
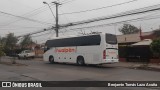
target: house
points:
(37, 48)
(134, 38)
(128, 39)
(136, 47)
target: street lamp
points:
(45, 2)
(50, 9)
(56, 17)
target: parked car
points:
(26, 54)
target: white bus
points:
(88, 49)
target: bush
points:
(155, 47)
(1, 52)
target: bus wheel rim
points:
(80, 62)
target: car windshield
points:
(27, 51)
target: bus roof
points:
(72, 36)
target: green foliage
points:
(1, 51)
(157, 33)
(27, 40)
(129, 29)
(155, 46)
(1, 48)
(10, 41)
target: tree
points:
(27, 40)
(155, 46)
(10, 41)
(129, 29)
(1, 49)
(2, 41)
(157, 33)
(1, 52)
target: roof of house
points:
(143, 42)
(147, 33)
(129, 38)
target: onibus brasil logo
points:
(19, 84)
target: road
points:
(37, 70)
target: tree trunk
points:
(0, 59)
(13, 60)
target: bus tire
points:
(80, 61)
(51, 59)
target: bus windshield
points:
(111, 39)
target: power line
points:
(99, 8)
(31, 13)
(110, 24)
(25, 18)
(123, 14)
(19, 3)
(42, 34)
(64, 2)
(36, 32)
(50, 9)
(18, 27)
(35, 12)
(128, 13)
(57, 19)
(67, 2)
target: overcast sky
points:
(25, 8)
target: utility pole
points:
(57, 25)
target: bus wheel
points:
(80, 61)
(51, 59)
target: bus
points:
(86, 49)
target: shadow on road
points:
(86, 66)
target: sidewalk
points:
(139, 65)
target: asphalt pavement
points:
(37, 70)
